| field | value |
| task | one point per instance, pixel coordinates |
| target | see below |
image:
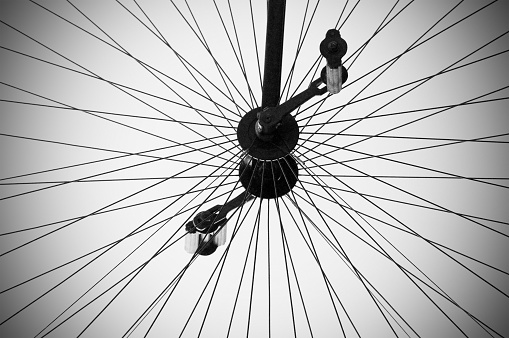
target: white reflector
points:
(192, 242)
(220, 238)
(334, 79)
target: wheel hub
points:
(282, 143)
(268, 179)
(269, 170)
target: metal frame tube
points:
(271, 87)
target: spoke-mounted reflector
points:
(334, 79)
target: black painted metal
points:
(269, 179)
(271, 87)
(333, 48)
(270, 118)
(208, 221)
(283, 141)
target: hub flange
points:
(268, 179)
(284, 140)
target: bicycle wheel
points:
(118, 125)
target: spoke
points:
(146, 312)
(220, 70)
(125, 154)
(102, 208)
(242, 273)
(314, 253)
(383, 157)
(416, 44)
(146, 65)
(153, 74)
(123, 207)
(219, 265)
(356, 272)
(361, 241)
(466, 217)
(255, 40)
(421, 138)
(240, 61)
(425, 117)
(161, 36)
(154, 303)
(406, 271)
(140, 269)
(268, 264)
(400, 126)
(227, 250)
(385, 254)
(253, 98)
(135, 272)
(343, 254)
(193, 207)
(101, 112)
(113, 179)
(195, 164)
(398, 176)
(110, 120)
(315, 66)
(246, 259)
(364, 215)
(418, 235)
(312, 249)
(287, 246)
(300, 43)
(319, 58)
(363, 47)
(96, 76)
(398, 201)
(285, 256)
(207, 47)
(348, 16)
(251, 291)
(119, 85)
(122, 49)
(390, 64)
(394, 60)
(419, 81)
(357, 52)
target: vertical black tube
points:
(273, 52)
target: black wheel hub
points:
(269, 170)
(268, 179)
(283, 142)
